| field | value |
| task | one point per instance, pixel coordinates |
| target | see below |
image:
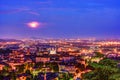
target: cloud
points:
(36, 24)
(10, 11)
(34, 13)
(13, 10)
(60, 8)
(18, 10)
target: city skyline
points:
(59, 19)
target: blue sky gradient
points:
(62, 18)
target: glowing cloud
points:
(33, 24)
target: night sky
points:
(60, 18)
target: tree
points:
(115, 76)
(39, 65)
(103, 70)
(98, 54)
(55, 67)
(63, 76)
(28, 72)
(20, 68)
(13, 75)
(80, 66)
(108, 62)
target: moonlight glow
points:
(33, 24)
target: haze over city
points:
(59, 18)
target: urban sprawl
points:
(59, 59)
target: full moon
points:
(33, 24)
